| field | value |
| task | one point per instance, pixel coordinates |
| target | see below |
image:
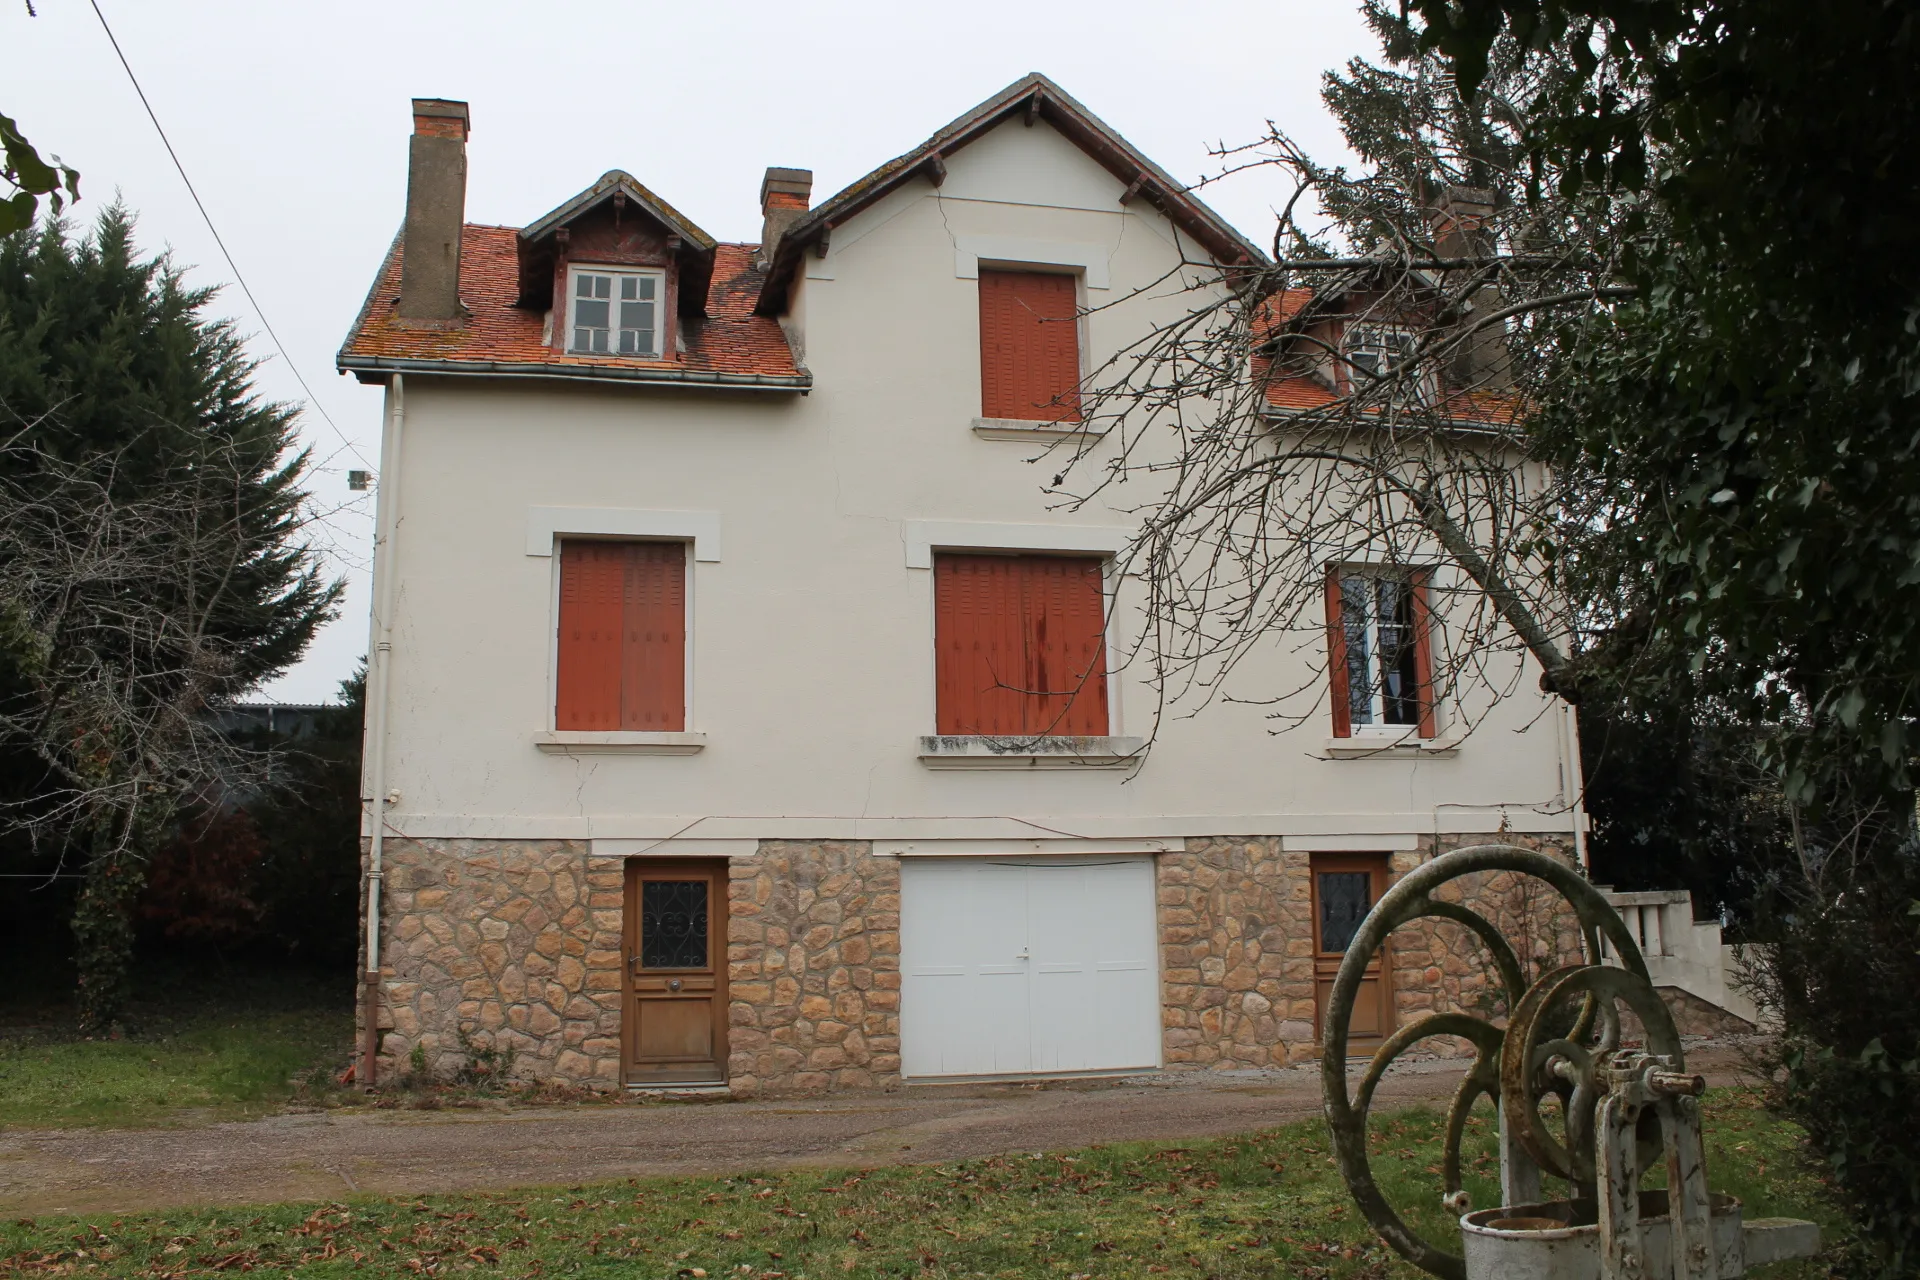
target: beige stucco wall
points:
(811, 638)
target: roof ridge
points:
(1042, 99)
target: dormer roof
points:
(1031, 98)
(537, 240)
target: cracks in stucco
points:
(583, 773)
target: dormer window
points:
(616, 313)
(1378, 354)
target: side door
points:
(675, 1027)
(1345, 887)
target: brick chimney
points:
(436, 210)
(1460, 218)
(783, 198)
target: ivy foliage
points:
(31, 177)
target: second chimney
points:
(1462, 228)
(436, 210)
(783, 198)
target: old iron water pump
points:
(1619, 1108)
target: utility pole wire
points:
(258, 310)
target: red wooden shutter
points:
(623, 637)
(1337, 659)
(1067, 645)
(653, 659)
(1020, 645)
(980, 667)
(1423, 652)
(1029, 346)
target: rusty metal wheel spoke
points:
(1529, 1065)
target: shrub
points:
(1845, 966)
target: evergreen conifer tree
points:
(154, 563)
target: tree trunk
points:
(103, 935)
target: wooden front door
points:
(1345, 887)
(676, 950)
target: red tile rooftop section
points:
(730, 339)
(1303, 394)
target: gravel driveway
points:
(323, 1155)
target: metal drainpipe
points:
(1577, 780)
(388, 523)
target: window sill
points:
(971, 751)
(1022, 429)
(1387, 746)
(620, 744)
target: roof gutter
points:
(1463, 426)
(800, 382)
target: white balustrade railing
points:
(1683, 952)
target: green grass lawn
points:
(193, 1048)
(1266, 1205)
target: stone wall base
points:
(504, 947)
(1236, 948)
(515, 948)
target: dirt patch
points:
(325, 1154)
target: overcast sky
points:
(292, 120)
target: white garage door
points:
(1017, 966)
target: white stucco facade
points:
(810, 611)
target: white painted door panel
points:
(962, 933)
(1025, 966)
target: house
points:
(742, 713)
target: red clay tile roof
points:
(1276, 309)
(729, 345)
(1303, 395)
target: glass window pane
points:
(591, 314)
(673, 924)
(647, 284)
(629, 287)
(1344, 903)
(583, 286)
(636, 315)
(603, 286)
(1356, 616)
(1398, 674)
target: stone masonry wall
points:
(515, 942)
(1236, 953)
(813, 967)
(518, 945)
(1441, 967)
(1236, 938)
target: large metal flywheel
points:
(1518, 1065)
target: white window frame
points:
(1387, 339)
(576, 272)
(1377, 703)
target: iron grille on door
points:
(673, 924)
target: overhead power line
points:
(233, 266)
